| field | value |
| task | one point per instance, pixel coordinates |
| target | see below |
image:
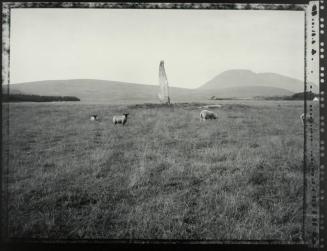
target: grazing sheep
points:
(94, 117)
(307, 118)
(120, 119)
(205, 114)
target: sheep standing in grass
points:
(306, 117)
(94, 118)
(120, 119)
(205, 114)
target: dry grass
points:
(164, 175)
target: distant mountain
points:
(244, 78)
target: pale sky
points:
(127, 45)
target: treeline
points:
(36, 98)
(300, 95)
(296, 96)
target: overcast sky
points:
(127, 45)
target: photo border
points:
(231, 5)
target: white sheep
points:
(307, 117)
(122, 119)
(94, 117)
(205, 114)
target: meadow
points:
(164, 175)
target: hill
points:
(96, 91)
(229, 84)
(11, 90)
(101, 91)
(243, 78)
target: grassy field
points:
(164, 175)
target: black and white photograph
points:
(190, 122)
